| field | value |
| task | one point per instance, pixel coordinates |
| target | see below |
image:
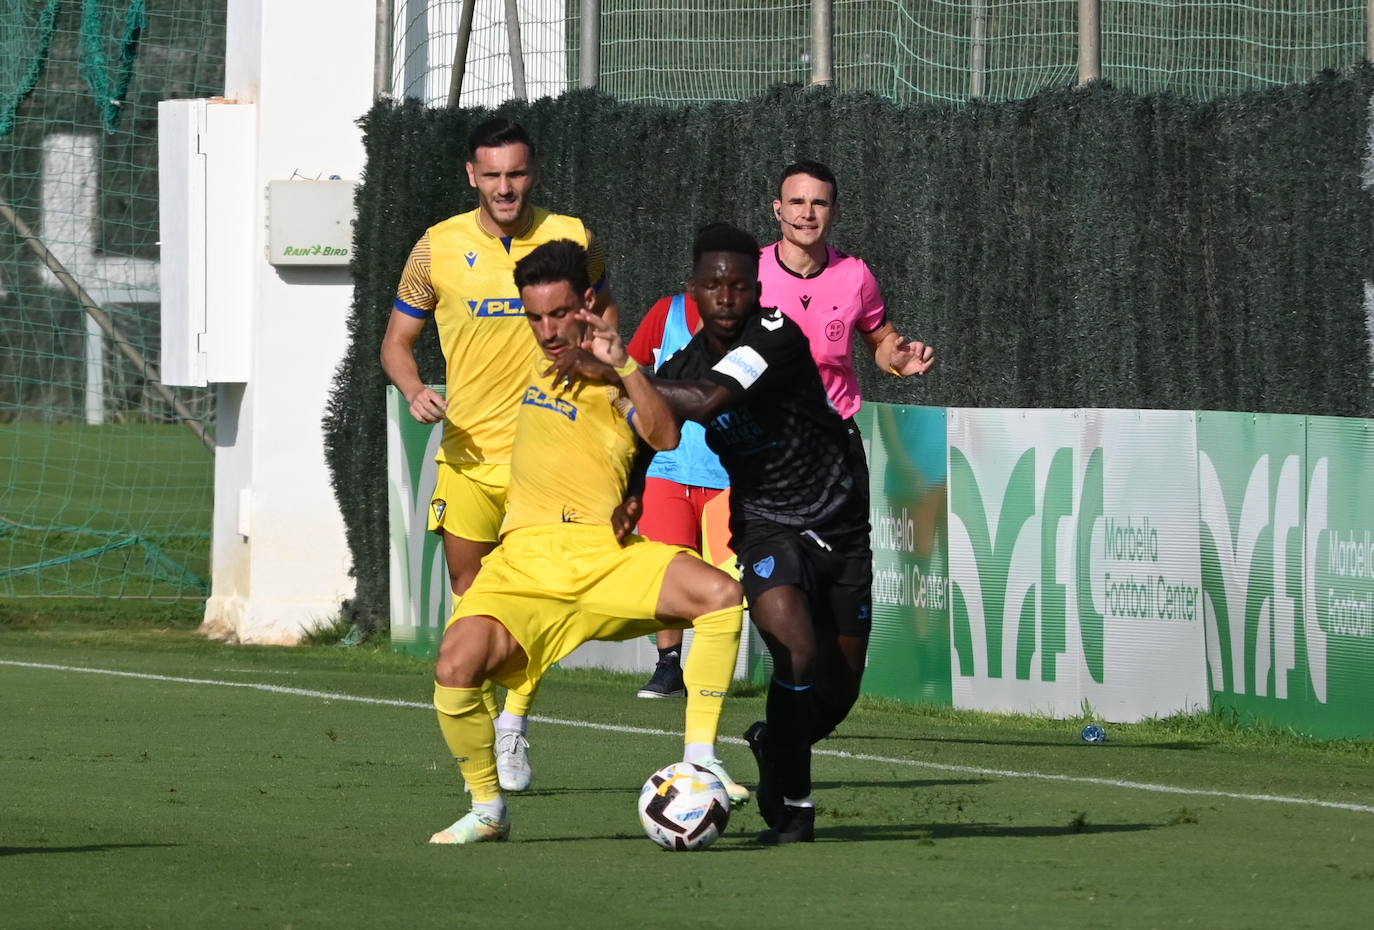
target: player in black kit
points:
(798, 510)
(799, 518)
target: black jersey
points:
(783, 445)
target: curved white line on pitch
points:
(648, 731)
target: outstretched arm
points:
(893, 352)
(694, 400)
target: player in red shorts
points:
(680, 483)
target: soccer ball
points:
(684, 807)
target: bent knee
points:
(719, 591)
(454, 670)
(470, 649)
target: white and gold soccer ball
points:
(684, 807)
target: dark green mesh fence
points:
(103, 489)
(1091, 248)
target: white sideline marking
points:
(647, 731)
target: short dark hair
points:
(813, 169)
(722, 237)
(496, 132)
(559, 260)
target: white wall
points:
(280, 563)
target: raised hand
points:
(603, 339)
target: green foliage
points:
(1079, 248)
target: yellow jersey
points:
(463, 276)
(572, 456)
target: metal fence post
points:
(517, 50)
(1369, 30)
(382, 52)
(460, 54)
(589, 54)
(823, 42)
(978, 55)
(1089, 41)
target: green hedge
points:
(1079, 248)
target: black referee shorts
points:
(835, 573)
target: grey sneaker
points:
(513, 760)
(666, 681)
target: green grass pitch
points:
(236, 800)
(122, 510)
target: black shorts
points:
(858, 461)
(835, 572)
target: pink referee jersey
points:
(829, 306)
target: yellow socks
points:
(467, 728)
(489, 698)
(709, 669)
(518, 704)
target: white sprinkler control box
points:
(310, 222)
(206, 206)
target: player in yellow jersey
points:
(567, 570)
(460, 273)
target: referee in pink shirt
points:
(829, 293)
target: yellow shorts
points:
(469, 501)
(555, 587)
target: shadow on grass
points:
(94, 847)
(734, 841)
(554, 791)
(900, 783)
(741, 840)
(960, 831)
(1070, 741)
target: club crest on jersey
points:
(472, 258)
(438, 506)
(538, 398)
(764, 567)
(834, 330)
(497, 307)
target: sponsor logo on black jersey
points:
(537, 398)
(497, 307)
(737, 431)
